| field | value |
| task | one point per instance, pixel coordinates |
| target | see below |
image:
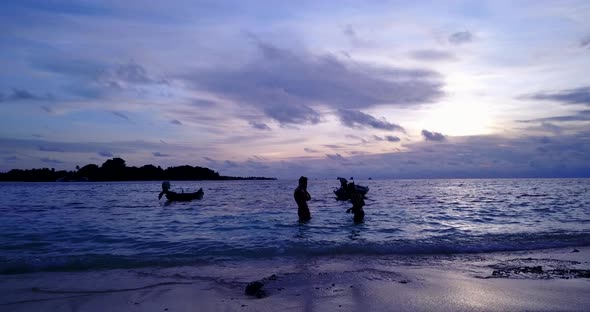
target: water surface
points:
(83, 226)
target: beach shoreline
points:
(535, 280)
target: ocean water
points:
(89, 226)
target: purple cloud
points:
(432, 55)
(433, 136)
(11, 158)
(335, 157)
(45, 148)
(23, 95)
(259, 125)
(158, 154)
(51, 161)
(392, 138)
(132, 72)
(209, 159)
(353, 119)
(286, 86)
(461, 37)
(230, 164)
(579, 116)
(570, 96)
(119, 114)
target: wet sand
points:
(544, 280)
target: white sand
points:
(360, 283)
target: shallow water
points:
(85, 226)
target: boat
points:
(342, 192)
(174, 196)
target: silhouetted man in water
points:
(358, 202)
(301, 197)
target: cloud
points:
(23, 95)
(259, 125)
(290, 87)
(132, 72)
(203, 103)
(392, 138)
(19, 94)
(355, 137)
(176, 122)
(334, 146)
(230, 164)
(579, 116)
(433, 136)
(310, 150)
(357, 119)
(464, 157)
(91, 79)
(570, 96)
(461, 37)
(105, 149)
(336, 156)
(126, 75)
(352, 35)
(432, 55)
(585, 42)
(158, 154)
(349, 31)
(44, 148)
(551, 128)
(119, 114)
(11, 158)
(51, 161)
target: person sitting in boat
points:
(173, 196)
(165, 189)
(301, 198)
(357, 203)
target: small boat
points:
(173, 196)
(342, 192)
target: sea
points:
(81, 226)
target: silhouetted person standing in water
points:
(301, 197)
(358, 202)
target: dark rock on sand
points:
(253, 288)
(511, 271)
(537, 272)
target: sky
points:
(380, 89)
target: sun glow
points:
(457, 119)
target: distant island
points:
(115, 169)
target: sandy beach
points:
(546, 280)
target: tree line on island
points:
(115, 169)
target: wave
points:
(445, 244)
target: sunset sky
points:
(381, 89)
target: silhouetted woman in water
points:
(301, 197)
(358, 202)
